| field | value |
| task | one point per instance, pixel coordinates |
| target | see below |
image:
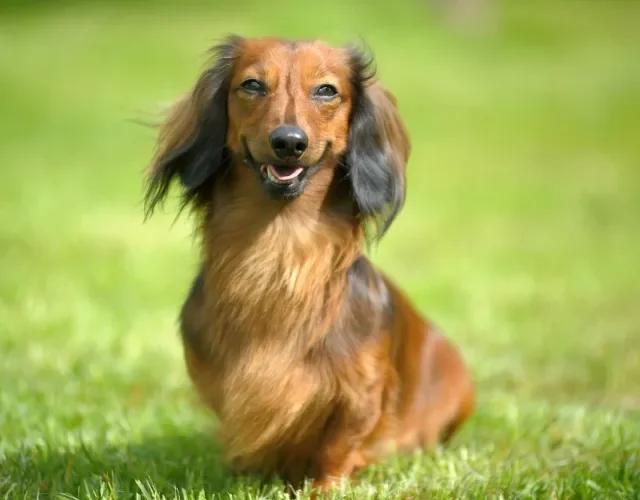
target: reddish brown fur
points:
(314, 362)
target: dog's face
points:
(289, 107)
(283, 111)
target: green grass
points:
(521, 238)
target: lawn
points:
(520, 237)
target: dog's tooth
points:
(272, 177)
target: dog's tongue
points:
(284, 173)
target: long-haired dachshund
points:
(293, 156)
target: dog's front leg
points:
(341, 451)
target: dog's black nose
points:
(288, 141)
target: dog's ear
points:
(191, 141)
(378, 148)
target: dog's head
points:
(285, 111)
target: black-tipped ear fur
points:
(378, 148)
(191, 142)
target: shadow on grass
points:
(152, 467)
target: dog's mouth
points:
(283, 180)
(281, 174)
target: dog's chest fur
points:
(271, 292)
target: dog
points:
(292, 156)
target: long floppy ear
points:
(191, 141)
(378, 148)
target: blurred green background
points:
(520, 237)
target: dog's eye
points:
(254, 87)
(325, 92)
